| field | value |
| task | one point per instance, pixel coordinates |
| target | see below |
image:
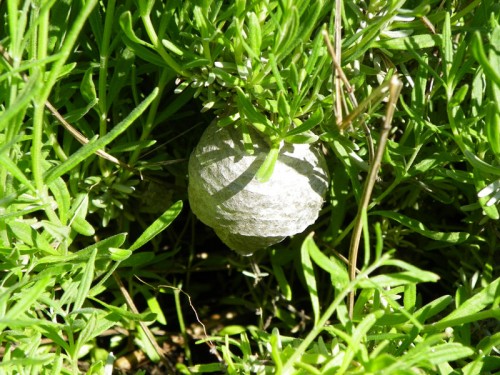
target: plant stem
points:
(338, 52)
(66, 50)
(340, 76)
(103, 66)
(394, 89)
(39, 51)
(182, 325)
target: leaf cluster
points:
(260, 64)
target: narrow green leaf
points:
(476, 303)
(55, 230)
(78, 113)
(71, 35)
(294, 80)
(283, 106)
(123, 68)
(22, 101)
(459, 96)
(94, 326)
(128, 29)
(61, 195)
(277, 74)
(306, 137)
(172, 47)
(309, 276)
(15, 172)
(479, 54)
(415, 41)
(131, 146)
(145, 53)
(87, 86)
(231, 330)
(52, 331)
(145, 7)
(226, 79)
(100, 367)
(410, 297)
(276, 350)
(207, 368)
(312, 60)
(86, 281)
(254, 33)
(41, 361)
(364, 327)
(66, 69)
(145, 317)
(336, 269)
(86, 333)
(119, 255)
(446, 45)
(195, 63)
(492, 127)
(158, 226)
(55, 271)
(257, 119)
(417, 226)
(309, 22)
(310, 123)
(280, 276)
(247, 138)
(90, 148)
(23, 232)
(77, 214)
(201, 22)
(480, 164)
(84, 254)
(433, 308)
(356, 340)
(447, 353)
(287, 34)
(266, 169)
(400, 264)
(28, 297)
(486, 314)
(155, 307)
(245, 346)
(392, 280)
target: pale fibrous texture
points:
(245, 213)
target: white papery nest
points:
(245, 213)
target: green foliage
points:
(99, 259)
(261, 65)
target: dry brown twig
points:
(392, 88)
(340, 77)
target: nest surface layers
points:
(245, 213)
